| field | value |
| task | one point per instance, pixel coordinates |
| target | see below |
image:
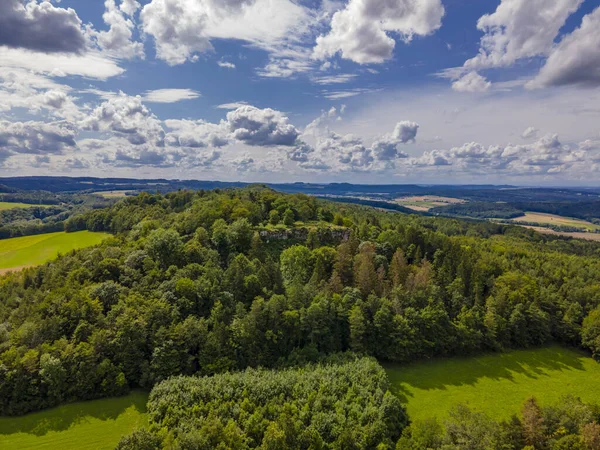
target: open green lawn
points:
(97, 425)
(498, 383)
(38, 249)
(11, 205)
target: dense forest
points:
(210, 282)
(48, 218)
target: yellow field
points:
(113, 194)
(426, 202)
(551, 219)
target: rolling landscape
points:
(435, 327)
(300, 225)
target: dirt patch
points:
(13, 269)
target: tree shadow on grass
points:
(440, 373)
(64, 417)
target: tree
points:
(288, 218)
(296, 265)
(274, 217)
(590, 332)
(164, 246)
(533, 423)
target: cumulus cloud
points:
(361, 31)
(576, 59)
(36, 137)
(126, 117)
(530, 133)
(197, 134)
(349, 152)
(261, 127)
(118, 40)
(471, 82)
(386, 147)
(41, 27)
(183, 29)
(520, 29)
(545, 156)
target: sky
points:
(360, 91)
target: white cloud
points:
(576, 60)
(182, 29)
(226, 65)
(197, 134)
(261, 127)
(36, 138)
(530, 133)
(471, 82)
(233, 105)
(520, 29)
(334, 79)
(170, 95)
(118, 40)
(361, 31)
(126, 117)
(40, 27)
(347, 93)
(89, 65)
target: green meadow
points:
(11, 205)
(96, 424)
(33, 250)
(497, 384)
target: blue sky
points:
(372, 91)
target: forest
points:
(228, 284)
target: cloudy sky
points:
(370, 91)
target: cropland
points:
(554, 220)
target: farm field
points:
(114, 194)
(426, 202)
(96, 424)
(575, 234)
(495, 383)
(11, 205)
(28, 251)
(551, 219)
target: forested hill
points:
(213, 281)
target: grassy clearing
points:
(498, 383)
(426, 202)
(11, 205)
(97, 424)
(35, 250)
(551, 219)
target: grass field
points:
(97, 425)
(426, 202)
(498, 383)
(10, 205)
(33, 250)
(551, 219)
